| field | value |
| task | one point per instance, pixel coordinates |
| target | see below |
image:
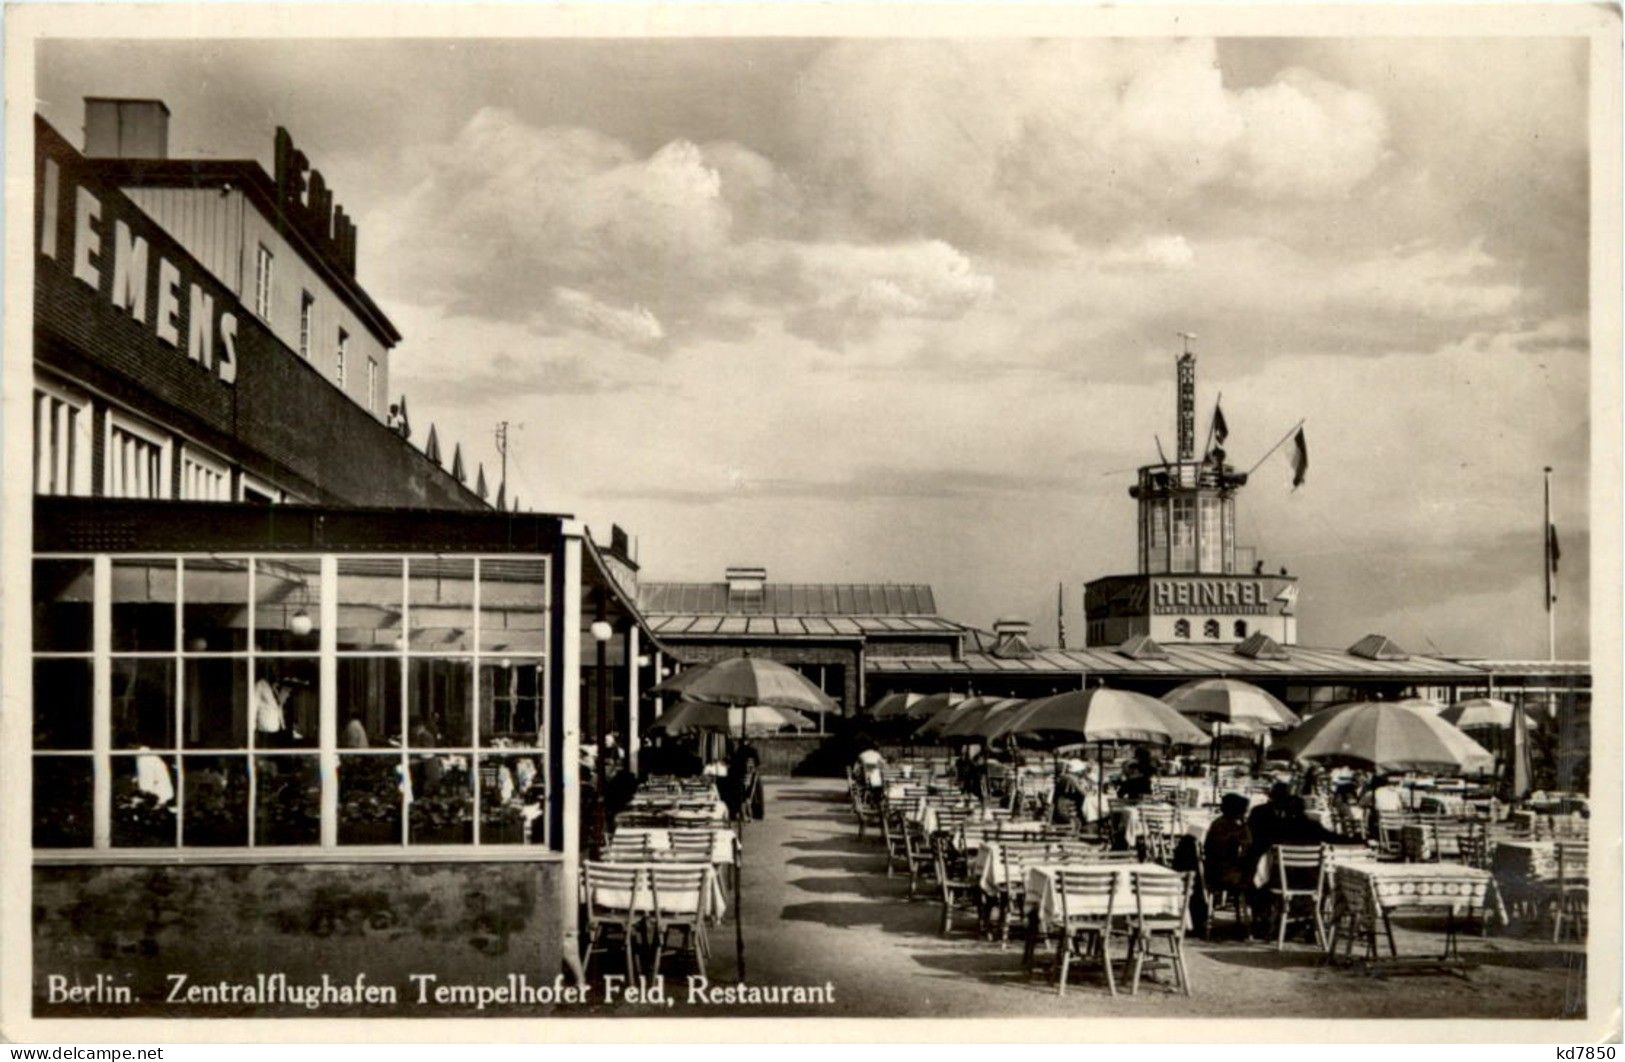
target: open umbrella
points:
(1480, 713)
(1385, 737)
(746, 680)
(688, 716)
(1097, 715)
(1421, 704)
(1236, 704)
(678, 682)
(967, 726)
(939, 721)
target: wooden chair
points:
(692, 846)
(1473, 848)
(1571, 893)
(953, 878)
(1216, 899)
(1014, 857)
(864, 807)
(1084, 901)
(892, 827)
(917, 849)
(678, 902)
(1390, 838)
(632, 850)
(616, 905)
(1299, 875)
(1160, 906)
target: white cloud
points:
(634, 326)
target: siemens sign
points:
(1221, 596)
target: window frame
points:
(246, 483)
(130, 424)
(191, 453)
(372, 384)
(83, 432)
(326, 753)
(307, 322)
(264, 281)
(341, 352)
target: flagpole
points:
(1546, 552)
(1277, 446)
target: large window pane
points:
(63, 792)
(438, 705)
(216, 804)
(512, 799)
(371, 604)
(143, 703)
(144, 605)
(369, 702)
(442, 808)
(513, 605)
(511, 703)
(214, 701)
(143, 801)
(369, 800)
(62, 598)
(287, 800)
(62, 691)
(440, 593)
(214, 609)
(287, 702)
(287, 612)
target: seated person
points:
(1261, 821)
(1227, 849)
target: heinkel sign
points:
(1222, 596)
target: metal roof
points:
(689, 625)
(1182, 661)
(790, 599)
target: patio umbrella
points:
(751, 680)
(939, 721)
(1097, 716)
(967, 726)
(1236, 704)
(690, 716)
(1480, 713)
(1421, 704)
(1385, 737)
(894, 704)
(678, 682)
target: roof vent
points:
(746, 588)
(126, 129)
(1377, 647)
(1260, 646)
(1012, 643)
(1142, 647)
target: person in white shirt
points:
(870, 763)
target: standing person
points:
(743, 782)
(870, 766)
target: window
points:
(1183, 518)
(307, 306)
(203, 478)
(1210, 629)
(372, 384)
(136, 459)
(338, 361)
(1212, 535)
(1241, 628)
(61, 441)
(1182, 629)
(216, 728)
(256, 492)
(263, 282)
(1157, 536)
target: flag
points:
(1060, 614)
(1221, 430)
(1552, 554)
(1300, 460)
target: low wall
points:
(123, 935)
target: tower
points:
(1187, 507)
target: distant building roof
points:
(791, 600)
(691, 625)
(1184, 661)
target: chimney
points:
(745, 588)
(126, 129)
(1011, 634)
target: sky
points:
(907, 310)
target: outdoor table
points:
(716, 905)
(1420, 839)
(1044, 908)
(1525, 860)
(1024, 827)
(1367, 893)
(724, 845)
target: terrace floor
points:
(819, 908)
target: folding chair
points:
(1299, 875)
(678, 903)
(1014, 857)
(692, 846)
(917, 850)
(1160, 905)
(1084, 900)
(953, 878)
(864, 807)
(1571, 893)
(892, 819)
(616, 904)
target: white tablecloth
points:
(1041, 894)
(723, 842)
(716, 904)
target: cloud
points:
(1038, 146)
(634, 326)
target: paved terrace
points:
(818, 907)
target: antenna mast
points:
(1187, 399)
